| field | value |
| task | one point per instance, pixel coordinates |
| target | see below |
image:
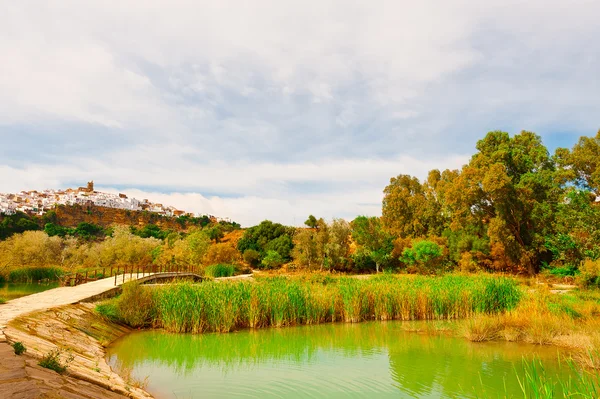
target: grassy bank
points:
(281, 301)
(568, 320)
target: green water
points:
(325, 361)
(10, 291)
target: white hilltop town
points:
(39, 202)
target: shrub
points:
(252, 257)
(2, 300)
(590, 272)
(272, 260)
(52, 360)
(425, 254)
(221, 253)
(19, 348)
(220, 270)
(135, 306)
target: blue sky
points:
(279, 109)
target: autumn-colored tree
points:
(508, 188)
(221, 253)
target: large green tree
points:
(509, 189)
(369, 234)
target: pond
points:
(10, 291)
(375, 359)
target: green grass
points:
(282, 301)
(220, 270)
(52, 360)
(24, 275)
(2, 300)
(19, 348)
(536, 383)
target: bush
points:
(52, 361)
(221, 253)
(424, 254)
(590, 273)
(252, 257)
(272, 260)
(220, 270)
(19, 348)
(135, 306)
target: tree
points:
(509, 190)
(221, 253)
(252, 257)
(584, 162)
(425, 254)
(411, 209)
(368, 233)
(338, 244)
(305, 252)
(311, 222)
(272, 260)
(259, 238)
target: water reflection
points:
(15, 290)
(333, 360)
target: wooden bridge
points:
(123, 274)
(85, 292)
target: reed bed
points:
(283, 301)
(24, 275)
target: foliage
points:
(220, 270)
(19, 348)
(252, 257)
(369, 234)
(216, 233)
(17, 223)
(311, 222)
(150, 230)
(267, 236)
(590, 273)
(135, 305)
(425, 254)
(52, 360)
(272, 260)
(282, 245)
(221, 253)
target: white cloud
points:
(276, 108)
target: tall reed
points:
(23, 275)
(281, 301)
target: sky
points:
(279, 109)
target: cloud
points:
(282, 107)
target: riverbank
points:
(79, 335)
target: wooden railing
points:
(122, 274)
